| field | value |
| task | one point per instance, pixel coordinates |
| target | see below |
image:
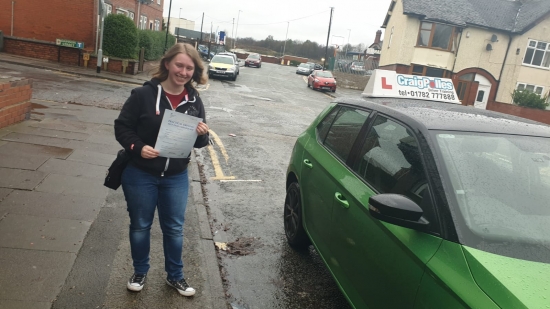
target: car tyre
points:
(294, 230)
(334, 90)
(234, 77)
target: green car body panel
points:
(381, 265)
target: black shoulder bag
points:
(114, 174)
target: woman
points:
(150, 181)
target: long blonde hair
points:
(198, 76)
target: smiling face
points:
(180, 70)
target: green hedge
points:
(120, 37)
(526, 98)
(153, 41)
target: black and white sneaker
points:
(182, 287)
(136, 282)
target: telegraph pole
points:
(233, 28)
(202, 22)
(210, 40)
(236, 29)
(100, 50)
(167, 27)
(328, 36)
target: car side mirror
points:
(399, 210)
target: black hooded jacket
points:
(138, 124)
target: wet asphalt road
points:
(266, 109)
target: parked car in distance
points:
(203, 51)
(223, 66)
(304, 69)
(316, 66)
(357, 67)
(321, 80)
(235, 58)
(413, 200)
(253, 60)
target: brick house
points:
(488, 47)
(31, 27)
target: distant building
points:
(180, 23)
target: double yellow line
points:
(215, 161)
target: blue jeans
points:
(145, 192)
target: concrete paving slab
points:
(34, 150)
(103, 139)
(20, 179)
(41, 233)
(92, 157)
(3, 194)
(73, 168)
(111, 149)
(22, 161)
(51, 205)
(24, 304)
(63, 125)
(30, 276)
(35, 139)
(51, 133)
(71, 185)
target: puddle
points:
(244, 246)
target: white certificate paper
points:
(177, 135)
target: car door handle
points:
(341, 199)
(308, 163)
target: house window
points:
(109, 8)
(143, 22)
(157, 25)
(537, 54)
(158, 2)
(122, 12)
(151, 26)
(428, 71)
(437, 36)
(532, 88)
(131, 15)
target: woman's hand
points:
(148, 152)
(202, 128)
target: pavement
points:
(63, 235)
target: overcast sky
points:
(309, 20)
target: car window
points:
(254, 56)
(323, 126)
(390, 162)
(326, 74)
(344, 131)
(303, 65)
(224, 60)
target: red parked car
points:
(322, 80)
(253, 60)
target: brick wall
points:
(50, 20)
(15, 96)
(523, 112)
(41, 50)
(114, 65)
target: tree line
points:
(306, 49)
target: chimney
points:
(378, 35)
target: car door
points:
(338, 130)
(380, 265)
(310, 79)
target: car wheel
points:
(235, 77)
(334, 90)
(308, 84)
(294, 230)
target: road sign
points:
(69, 43)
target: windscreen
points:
(500, 187)
(224, 60)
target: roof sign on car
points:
(390, 84)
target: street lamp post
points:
(236, 30)
(180, 14)
(167, 27)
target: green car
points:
(419, 204)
